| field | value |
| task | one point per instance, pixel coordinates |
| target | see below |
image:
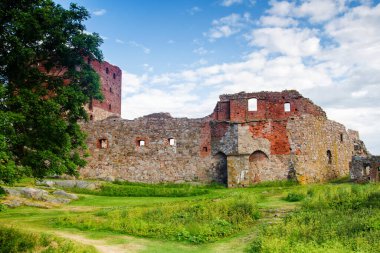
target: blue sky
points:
(178, 56)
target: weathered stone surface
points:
(285, 135)
(26, 192)
(27, 196)
(71, 184)
(65, 194)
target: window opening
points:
(91, 117)
(103, 143)
(341, 137)
(107, 71)
(111, 89)
(205, 149)
(141, 143)
(171, 141)
(287, 107)
(329, 157)
(252, 104)
(114, 76)
(110, 107)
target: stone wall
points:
(116, 150)
(235, 145)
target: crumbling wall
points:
(123, 155)
(321, 148)
(283, 135)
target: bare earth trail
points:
(101, 245)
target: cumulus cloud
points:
(289, 41)
(227, 26)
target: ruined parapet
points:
(246, 107)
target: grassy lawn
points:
(273, 217)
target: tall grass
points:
(14, 240)
(144, 190)
(191, 221)
(341, 218)
(276, 183)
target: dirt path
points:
(102, 245)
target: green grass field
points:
(271, 217)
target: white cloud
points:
(281, 8)
(138, 45)
(228, 3)
(275, 21)
(194, 10)
(100, 12)
(227, 26)
(288, 41)
(320, 10)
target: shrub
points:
(294, 197)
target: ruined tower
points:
(110, 78)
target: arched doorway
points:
(221, 167)
(258, 163)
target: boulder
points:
(65, 195)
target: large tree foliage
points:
(45, 80)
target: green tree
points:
(45, 80)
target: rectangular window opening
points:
(252, 104)
(103, 143)
(287, 107)
(171, 141)
(141, 143)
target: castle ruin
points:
(248, 138)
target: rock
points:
(64, 194)
(110, 179)
(49, 183)
(65, 183)
(26, 192)
(87, 185)
(33, 193)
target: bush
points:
(294, 197)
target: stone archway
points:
(221, 167)
(258, 164)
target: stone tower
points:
(110, 79)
